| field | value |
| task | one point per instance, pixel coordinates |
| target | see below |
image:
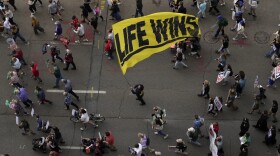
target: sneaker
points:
(77, 41)
(82, 129)
(156, 133)
(85, 40)
(225, 104)
(234, 39)
(27, 43)
(166, 136)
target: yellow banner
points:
(138, 38)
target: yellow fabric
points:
(138, 38)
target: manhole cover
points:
(209, 37)
(262, 37)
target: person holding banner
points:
(205, 90)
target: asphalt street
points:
(174, 90)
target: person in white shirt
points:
(7, 26)
(16, 64)
(138, 149)
(85, 119)
(81, 33)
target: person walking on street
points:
(57, 30)
(253, 6)
(36, 25)
(40, 1)
(19, 55)
(157, 125)
(22, 95)
(32, 6)
(181, 8)
(139, 7)
(41, 95)
(115, 11)
(57, 74)
(202, 8)
(213, 5)
(25, 126)
(222, 22)
(274, 110)
(81, 33)
(68, 59)
(68, 101)
(19, 110)
(205, 90)
(108, 49)
(12, 3)
(262, 122)
(53, 10)
(35, 72)
(270, 137)
(211, 107)
(256, 105)
(138, 90)
(9, 14)
(110, 141)
(145, 142)
(68, 88)
(240, 30)
(244, 127)
(84, 15)
(179, 57)
(240, 83)
(15, 33)
(94, 23)
(197, 124)
(230, 98)
(14, 79)
(225, 45)
(55, 54)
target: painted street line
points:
(82, 43)
(77, 91)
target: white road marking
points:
(82, 43)
(71, 147)
(77, 91)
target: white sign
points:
(218, 103)
(17, 120)
(220, 77)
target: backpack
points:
(224, 22)
(148, 141)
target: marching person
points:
(202, 8)
(68, 88)
(68, 101)
(68, 59)
(256, 105)
(262, 122)
(110, 141)
(222, 60)
(15, 33)
(57, 30)
(244, 127)
(41, 95)
(240, 30)
(179, 59)
(138, 90)
(35, 72)
(222, 23)
(270, 137)
(14, 79)
(224, 47)
(81, 33)
(193, 136)
(145, 142)
(57, 74)
(211, 107)
(239, 83)
(157, 125)
(108, 49)
(55, 54)
(231, 98)
(26, 128)
(197, 124)
(23, 97)
(36, 25)
(274, 110)
(205, 90)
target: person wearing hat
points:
(35, 72)
(222, 23)
(68, 88)
(202, 8)
(181, 147)
(68, 59)
(193, 136)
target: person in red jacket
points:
(19, 55)
(35, 72)
(68, 59)
(108, 49)
(75, 22)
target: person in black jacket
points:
(244, 127)
(138, 90)
(270, 137)
(262, 122)
(139, 7)
(115, 11)
(213, 5)
(181, 8)
(274, 110)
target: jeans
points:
(57, 79)
(17, 34)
